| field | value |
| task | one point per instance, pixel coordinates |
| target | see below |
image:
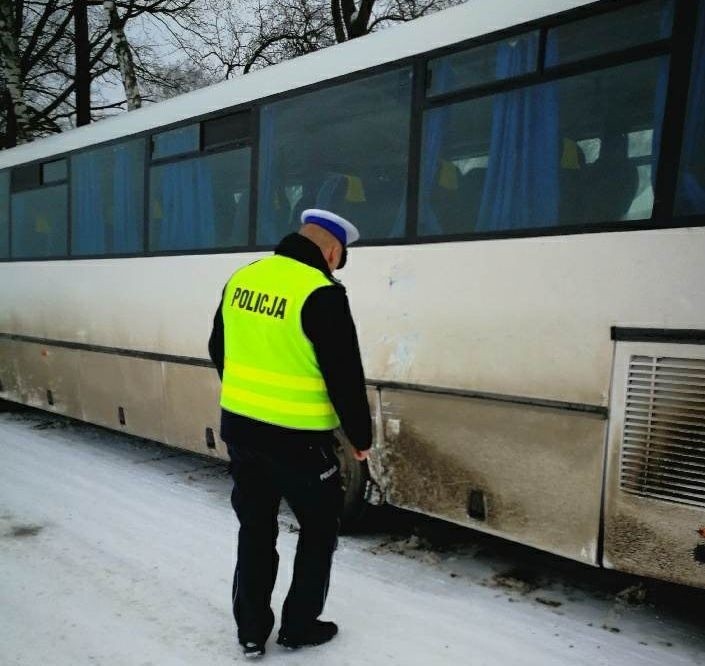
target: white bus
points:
(529, 181)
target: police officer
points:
(285, 346)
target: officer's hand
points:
(361, 455)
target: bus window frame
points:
(102, 146)
(203, 151)
(44, 186)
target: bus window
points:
(344, 148)
(4, 214)
(200, 203)
(574, 151)
(179, 141)
(690, 195)
(613, 31)
(483, 64)
(54, 172)
(232, 129)
(25, 177)
(614, 116)
(39, 222)
(107, 200)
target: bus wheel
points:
(354, 475)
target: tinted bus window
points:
(107, 200)
(25, 177)
(200, 203)
(234, 128)
(574, 151)
(54, 172)
(614, 31)
(175, 142)
(484, 64)
(344, 148)
(690, 196)
(4, 214)
(39, 222)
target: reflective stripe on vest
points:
(271, 373)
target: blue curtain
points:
(126, 232)
(268, 231)
(434, 131)
(690, 197)
(87, 173)
(187, 218)
(521, 187)
(108, 200)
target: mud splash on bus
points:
(415, 474)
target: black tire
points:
(354, 475)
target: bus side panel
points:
(535, 472)
(46, 377)
(192, 398)
(32, 375)
(9, 376)
(649, 530)
(112, 385)
(62, 380)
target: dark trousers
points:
(307, 476)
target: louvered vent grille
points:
(663, 450)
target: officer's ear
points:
(334, 256)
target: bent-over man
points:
(285, 346)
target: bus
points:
(529, 182)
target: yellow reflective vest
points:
(271, 373)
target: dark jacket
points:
(328, 324)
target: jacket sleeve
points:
(216, 342)
(328, 324)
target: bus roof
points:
(456, 24)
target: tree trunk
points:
(123, 54)
(10, 138)
(359, 20)
(83, 74)
(19, 114)
(338, 23)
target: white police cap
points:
(344, 231)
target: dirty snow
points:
(118, 551)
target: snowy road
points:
(116, 551)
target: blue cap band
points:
(334, 228)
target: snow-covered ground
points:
(117, 551)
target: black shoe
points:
(253, 650)
(318, 633)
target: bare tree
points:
(123, 53)
(82, 57)
(38, 63)
(210, 40)
(284, 29)
(164, 81)
(231, 37)
(18, 113)
(353, 19)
